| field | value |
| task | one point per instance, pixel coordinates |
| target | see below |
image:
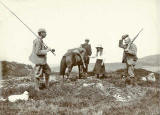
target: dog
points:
(14, 98)
(150, 77)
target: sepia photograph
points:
(79, 57)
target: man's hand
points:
(126, 50)
(53, 50)
(124, 36)
(102, 63)
(92, 56)
(48, 49)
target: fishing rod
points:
(25, 25)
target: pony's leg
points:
(79, 68)
(69, 70)
(63, 78)
(83, 70)
(86, 68)
(64, 75)
(47, 80)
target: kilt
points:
(40, 69)
(99, 68)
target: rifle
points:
(53, 50)
(133, 40)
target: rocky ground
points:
(104, 96)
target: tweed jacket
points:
(38, 55)
(129, 57)
(88, 49)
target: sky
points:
(69, 22)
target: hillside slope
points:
(151, 63)
(88, 96)
(14, 69)
(152, 60)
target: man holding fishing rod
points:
(39, 53)
(39, 58)
(129, 55)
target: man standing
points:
(39, 58)
(88, 49)
(129, 55)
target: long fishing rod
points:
(24, 24)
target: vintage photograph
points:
(79, 57)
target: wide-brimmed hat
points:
(41, 30)
(99, 46)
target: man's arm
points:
(38, 49)
(121, 45)
(103, 60)
(132, 50)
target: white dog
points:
(14, 98)
(149, 77)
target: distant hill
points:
(151, 63)
(152, 60)
(14, 69)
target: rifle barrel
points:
(134, 39)
(137, 35)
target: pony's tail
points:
(63, 66)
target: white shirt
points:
(99, 57)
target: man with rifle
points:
(129, 54)
(39, 58)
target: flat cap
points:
(41, 30)
(125, 36)
(87, 39)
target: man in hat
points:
(39, 58)
(129, 55)
(88, 49)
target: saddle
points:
(76, 58)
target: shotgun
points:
(133, 39)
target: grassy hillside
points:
(14, 69)
(88, 96)
(151, 63)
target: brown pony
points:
(71, 59)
